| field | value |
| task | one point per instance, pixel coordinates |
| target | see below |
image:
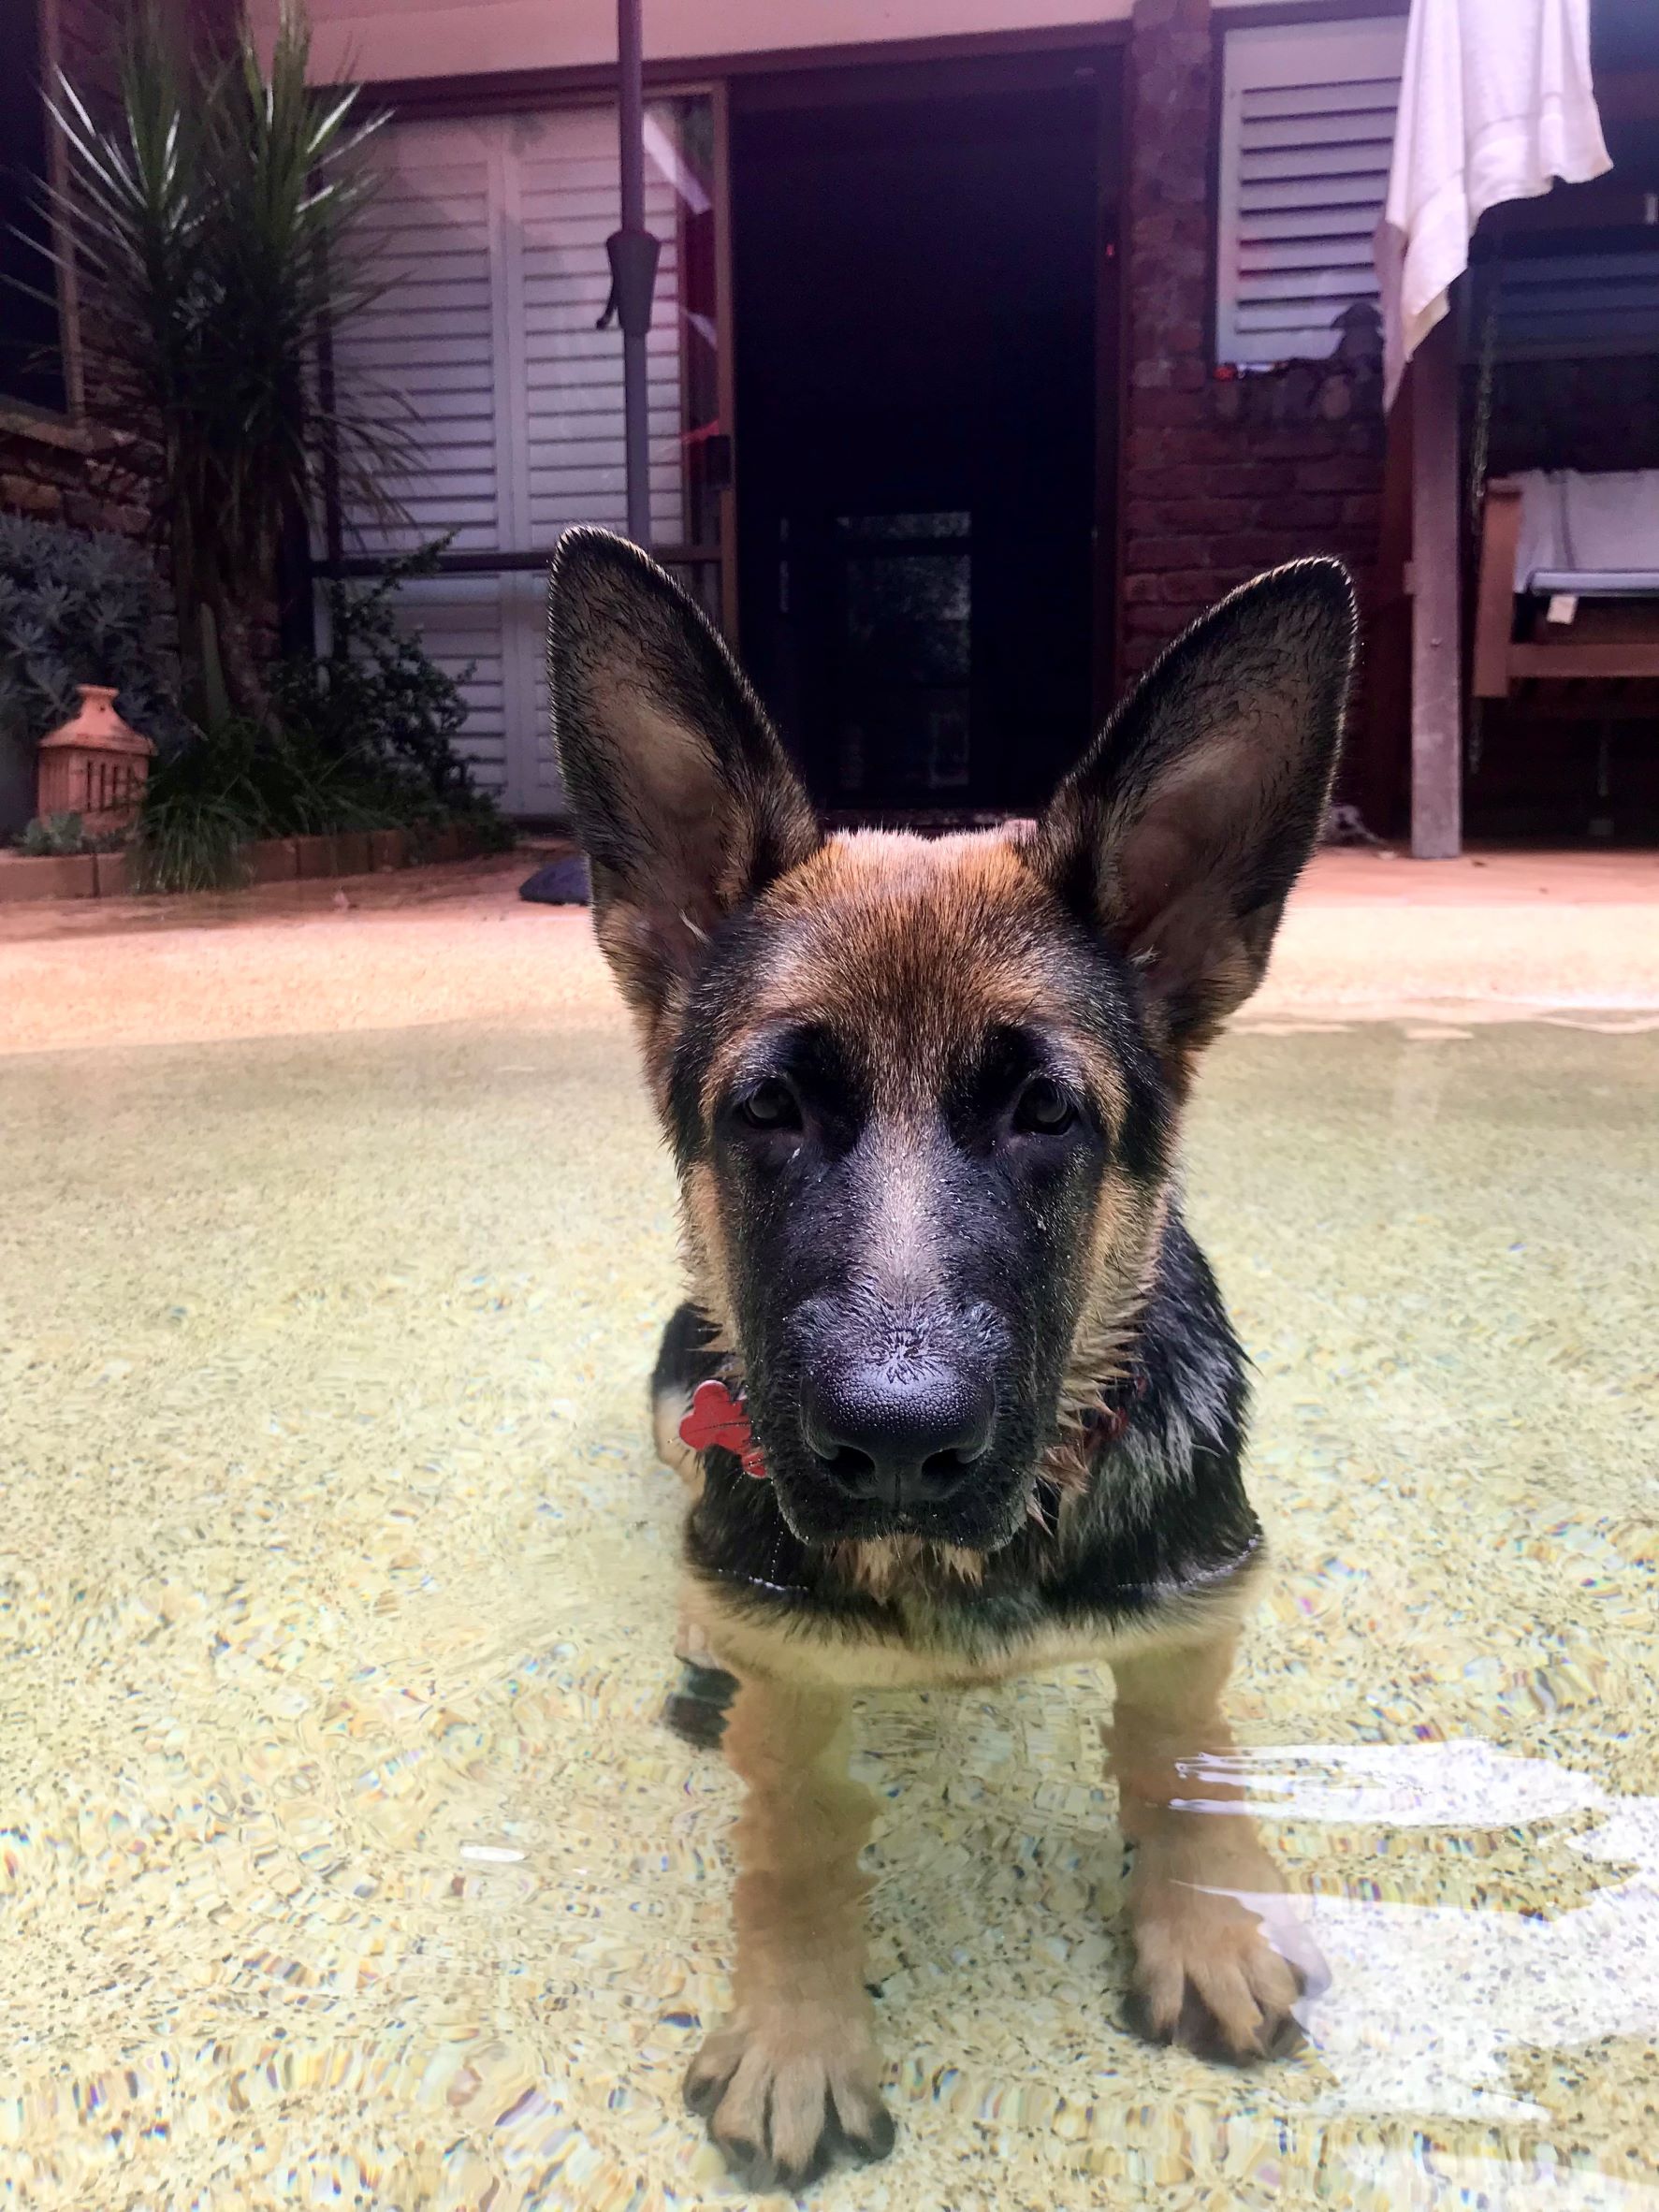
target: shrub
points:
(377, 698)
(51, 836)
(77, 607)
(363, 738)
(241, 780)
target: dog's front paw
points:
(1219, 1971)
(788, 2095)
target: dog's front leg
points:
(794, 2079)
(1214, 1939)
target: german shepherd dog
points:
(967, 1399)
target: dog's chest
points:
(925, 1645)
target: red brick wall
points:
(1221, 478)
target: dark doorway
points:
(920, 284)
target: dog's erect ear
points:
(1184, 827)
(679, 790)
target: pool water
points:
(344, 1860)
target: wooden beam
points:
(1596, 663)
(725, 355)
(1494, 603)
(1436, 703)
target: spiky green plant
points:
(219, 220)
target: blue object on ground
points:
(561, 883)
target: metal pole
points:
(634, 313)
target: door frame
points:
(725, 363)
(1111, 376)
(898, 68)
(1002, 61)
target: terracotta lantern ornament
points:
(94, 767)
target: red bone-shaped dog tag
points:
(717, 1418)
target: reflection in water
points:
(1427, 2005)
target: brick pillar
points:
(1170, 111)
(1223, 476)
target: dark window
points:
(31, 332)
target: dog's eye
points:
(1045, 1107)
(771, 1105)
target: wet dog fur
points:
(925, 1100)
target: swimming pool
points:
(345, 1861)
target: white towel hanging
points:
(1496, 103)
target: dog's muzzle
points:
(906, 1440)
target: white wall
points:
(379, 39)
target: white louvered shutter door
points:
(1307, 128)
(497, 273)
(433, 338)
(566, 200)
(568, 205)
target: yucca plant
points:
(218, 219)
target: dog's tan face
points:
(922, 1094)
(923, 1143)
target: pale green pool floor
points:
(344, 1860)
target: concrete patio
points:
(1489, 937)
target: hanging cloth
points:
(1495, 103)
(1594, 535)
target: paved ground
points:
(1481, 938)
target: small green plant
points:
(51, 835)
(190, 840)
(197, 812)
(54, 836)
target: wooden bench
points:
(1614, 629)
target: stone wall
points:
(65, 473)
(1223, 476)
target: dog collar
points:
(717, 1418)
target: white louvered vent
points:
(1307, 128)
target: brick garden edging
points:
(273, 860)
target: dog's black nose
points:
(907, 1439)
